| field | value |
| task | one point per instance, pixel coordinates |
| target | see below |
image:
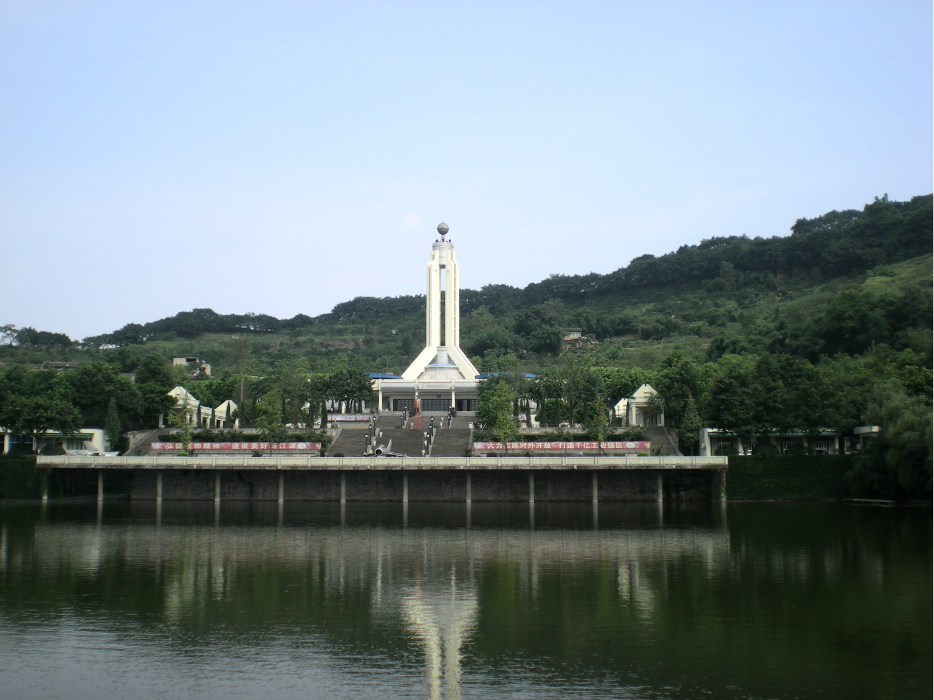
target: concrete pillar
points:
(217, 487)
(531, 487)
(593, 489)
(44, 484)
(660, 493)
(468, 488)
(723, 484)
(6, 442)
(405, 487)
(343, 489)
(281, 487)
(159, 487)
(100, 484)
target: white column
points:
(343, 489)
(531, 487)
(661, 494)
(281, 487)
(405, 487)
(594, 487)
(433, 302)
(159, 487)
(100, 484)
(451, 302)
(217, 487)
(468, 488)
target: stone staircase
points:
(351, 442)
(665, 438)
(141, 441)
(404, 440)
(453, 441)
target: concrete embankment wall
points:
(424, 486)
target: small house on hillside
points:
(218, 418)
(640, 409)
(194, 364)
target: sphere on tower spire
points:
(443, 229)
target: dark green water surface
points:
(373, 601)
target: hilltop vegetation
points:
(729, 294)
(827, 327)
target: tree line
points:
(751, 396)
(98, 395)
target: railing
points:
(307, 462)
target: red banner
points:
(546, 446)
(238, 446)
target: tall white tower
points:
(442, 357)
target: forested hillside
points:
(829, 327)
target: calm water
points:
(746, 601)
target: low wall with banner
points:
(623, 446)
(238, 447)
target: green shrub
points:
(788, 477)
(19, 477)
(763, 449)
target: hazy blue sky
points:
(282, 157)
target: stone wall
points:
(423, 486)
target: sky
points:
(282, 157)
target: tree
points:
(690, 427)
(733, 396)
(93, 386)
(183, 420)
(295, 389)
(269, 416)
(37, 415)
(240, 356)
(898, 461)
(112, 425)
(677, 382)
(155, 369)
(494, 411)
(349, 385)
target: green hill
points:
(841, 282)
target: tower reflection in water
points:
(441, 617)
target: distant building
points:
(218, 418)
(85, 441)
(60, 366)
(196, 365)
(640, 410)
(824, 442)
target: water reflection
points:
(450, 601)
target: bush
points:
(763, 449)
(19, 477)
(784, 477)
(53, 449)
